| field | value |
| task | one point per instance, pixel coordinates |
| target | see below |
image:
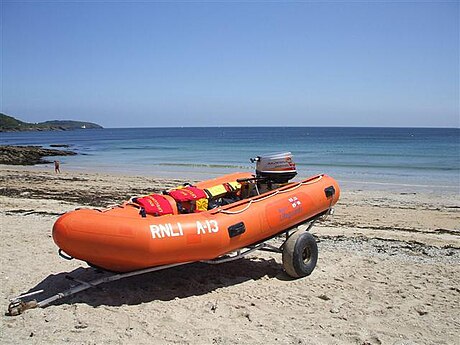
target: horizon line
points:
(278, 126)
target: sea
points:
(401, 159)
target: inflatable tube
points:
(121, 239)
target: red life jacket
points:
(190, 199)
(187, 194)
(155, 204)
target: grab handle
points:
(236, 229)
(329, 192)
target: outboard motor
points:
(275, 167)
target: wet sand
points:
(388, 273)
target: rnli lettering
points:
(289, 210)
(286, 214)
(175, 230)
(166, 230)
(209, 226)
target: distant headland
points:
(11, 124)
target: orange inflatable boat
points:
(164, 229)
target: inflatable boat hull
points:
(119, 239)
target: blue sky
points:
(149, 64)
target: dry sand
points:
(388, 273)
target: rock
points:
(421, 311)
(28, 155)
(334, 310)
(81, 325)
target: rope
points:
(298, 185)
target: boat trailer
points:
(299, 250)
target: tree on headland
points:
(11, 124)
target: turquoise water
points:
(400, 158)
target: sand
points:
(388, 273)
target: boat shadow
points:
(178, 282)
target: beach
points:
(387, 273)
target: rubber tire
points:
(294, 248)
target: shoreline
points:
(184, 176)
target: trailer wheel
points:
(300, 254)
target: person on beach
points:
(57, 167)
